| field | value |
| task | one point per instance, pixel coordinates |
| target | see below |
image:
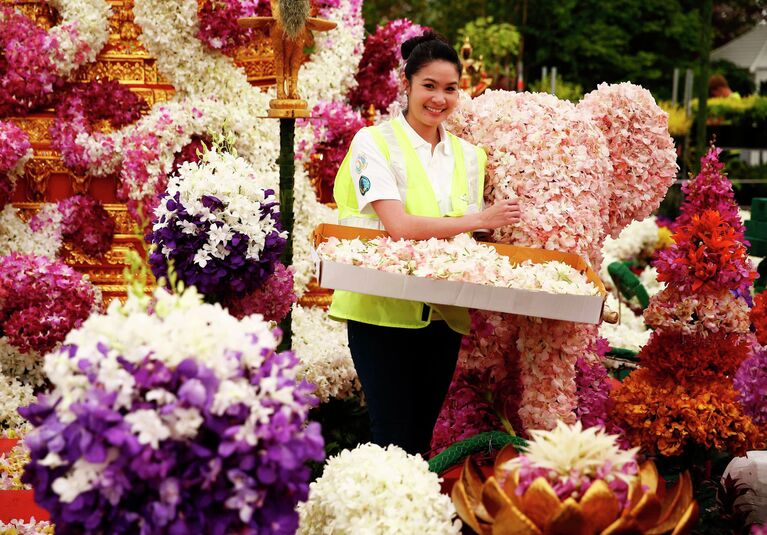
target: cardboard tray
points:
(577, 308)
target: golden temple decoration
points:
(473, 79)
(125, 59)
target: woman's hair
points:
(422, 50)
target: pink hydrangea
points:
(44, 300)
(575, 186)
(14, 150)
(641, 150)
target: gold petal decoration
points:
(472, 478)
(463, 506)
(650, 478)
(568, 521)
(678, 500)
(600, 506)
(540, 503)
(511, 521)
(623, 526)
(688, 520)
(493, 497)
(647, 512)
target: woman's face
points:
(432, 93)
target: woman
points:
(412, 178)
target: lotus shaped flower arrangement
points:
(573, 481)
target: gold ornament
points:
(290, 29)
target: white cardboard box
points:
(577, 308)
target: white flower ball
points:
(373, 490)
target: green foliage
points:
(496, 43)
(589, 41)
(613, 40)
(564, 90)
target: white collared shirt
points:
(387, 180)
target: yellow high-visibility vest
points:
(467, 189)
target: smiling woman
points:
(414, 179)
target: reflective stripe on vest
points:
(418, 199)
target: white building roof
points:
(748, 50)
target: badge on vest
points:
(360, 163)
(364, 184)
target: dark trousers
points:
(405, 374)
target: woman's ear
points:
(404, 82)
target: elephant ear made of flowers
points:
(641, 150)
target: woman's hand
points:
(500, 214)
(401, 225)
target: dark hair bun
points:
(407, 47)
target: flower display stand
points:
(756, 233)
(18, 504)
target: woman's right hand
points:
(500, 214)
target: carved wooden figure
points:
(289, 28)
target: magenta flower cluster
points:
(215, 482)
(81, 106)
(710, 190)
(28, 76)
(273, 299)
(377, 82)
(467, 411)
(218, 22)
(42, 301)
(14, 144)
(334, 129)
(593, 389)
(86, 224)
(751, 384)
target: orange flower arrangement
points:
(663, 415)
(683, 396)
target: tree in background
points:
(590, 41)
(496, 43)
(735, 17)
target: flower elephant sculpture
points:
(580, 172)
